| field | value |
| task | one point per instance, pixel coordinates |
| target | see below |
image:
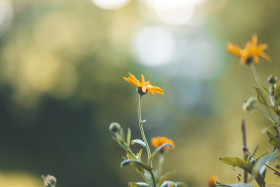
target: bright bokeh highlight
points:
(154, 46)
(110, 4)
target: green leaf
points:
(260, 168)
(137, 141)
(275, 109)
(158, 149)
(234, 161)
(128, 137)
(168, 184)
(138, 184)
(166, 176)
(273, 140)
(180, 184)
(277, 92)
(260, 96)
(235, 185)
(139, 154)
(135, 163)
(262, 155)
(121, 135)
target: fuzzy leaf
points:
(235, 185)
(135, 163)
(277, 92)
(128, 137)
(137, 184)
(273, 140)
(158, 149)
(262, 155)
(168, 184)
(260, 168)
(139, 154)
(137, 141)
(121, 135)
(165, 176)
(234, 161)
(260, 96)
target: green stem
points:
(160, 166)
(142, 130)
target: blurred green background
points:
(61, 85)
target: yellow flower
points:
(158, 141)
(252, 51)
(143, 86)
(212, 181)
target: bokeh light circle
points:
(6, 15)
(110, 4)
(154, 46)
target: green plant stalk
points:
(142, 130)
(160, 166)
(144, 138)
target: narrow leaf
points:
(139, 154)
(128, 137)
(260, 96)
(262, 155)
(121, 135)
(166, 176)
(273, 140)
(180, 184)
(137, 184)
(158, 149)
(235, 185)
(259, 167)
(277, 92)
(234, 161)
(135, 163)
(168, 184)
(138, 141)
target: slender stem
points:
(273, 169)
(142, 130)
(243, 127)
(160, 165)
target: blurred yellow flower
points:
(143, 86)
(158, 141)
(252, 51)
(212, 181)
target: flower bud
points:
(49, 181)
(114, 127)
(272, 79)
(250, 104)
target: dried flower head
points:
(212, 181)
(158, 141)
(144, 86)
(252, 51)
